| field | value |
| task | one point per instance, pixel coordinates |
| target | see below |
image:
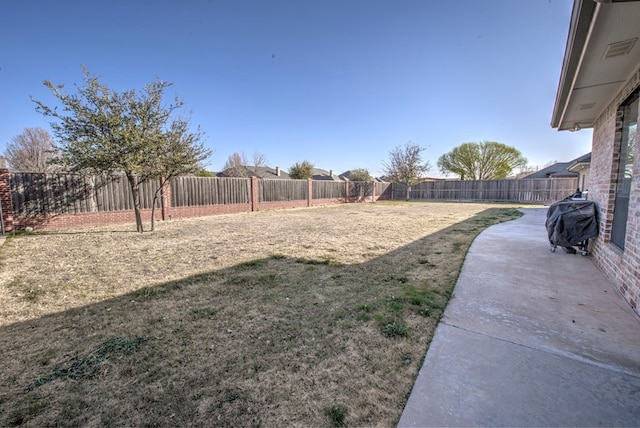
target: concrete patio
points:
(530, 338)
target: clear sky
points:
(339, 83)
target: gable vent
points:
(619, 48)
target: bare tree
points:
(406, 165)
(259, 161)
(235, 166)
(32, 151)
(238, 164)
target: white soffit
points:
(612, 55)
(582, 107)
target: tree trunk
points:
(153, 208)
(159, 193)
(408, 192)
(135, 191)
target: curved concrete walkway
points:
(530, 338)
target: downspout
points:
(592, 24)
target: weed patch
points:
(337, 415)
(393, 328)
(89, 365)
(324, 260)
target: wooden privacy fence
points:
(273, 190)
(71, 200)
(41, 194)
(542, 190)
(195, 191)
(325, 189)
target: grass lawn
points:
(309, 317)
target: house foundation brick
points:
(621, 266)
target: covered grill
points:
(571, 223)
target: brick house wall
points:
(622, 267)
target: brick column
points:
(346, 191)
(254, 193)
(373, 191)
(309, 191)
(5, 197)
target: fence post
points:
(6, 208)
(373, 191)
(309, 191)
(392, 191)
(254, 193)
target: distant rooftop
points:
(251, 171)
(561, 169)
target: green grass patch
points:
(337, 415)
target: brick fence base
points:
(166, 212)
(6, 220)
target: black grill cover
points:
(570, 222)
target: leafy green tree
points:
(487, 160)
(179, 152)
(361, 184)
(360, 174)
(301, 170)
(100, 130)
(204, 173)
(406, 165)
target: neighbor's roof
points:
(250, 171)
(561, 169)
(580, 163)
(557, 170)
(601, 53)
(323, 174)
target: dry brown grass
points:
(310, 317)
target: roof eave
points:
(581, 17)
(578, 166)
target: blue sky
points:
(339, 83)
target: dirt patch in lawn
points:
(313, 317)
